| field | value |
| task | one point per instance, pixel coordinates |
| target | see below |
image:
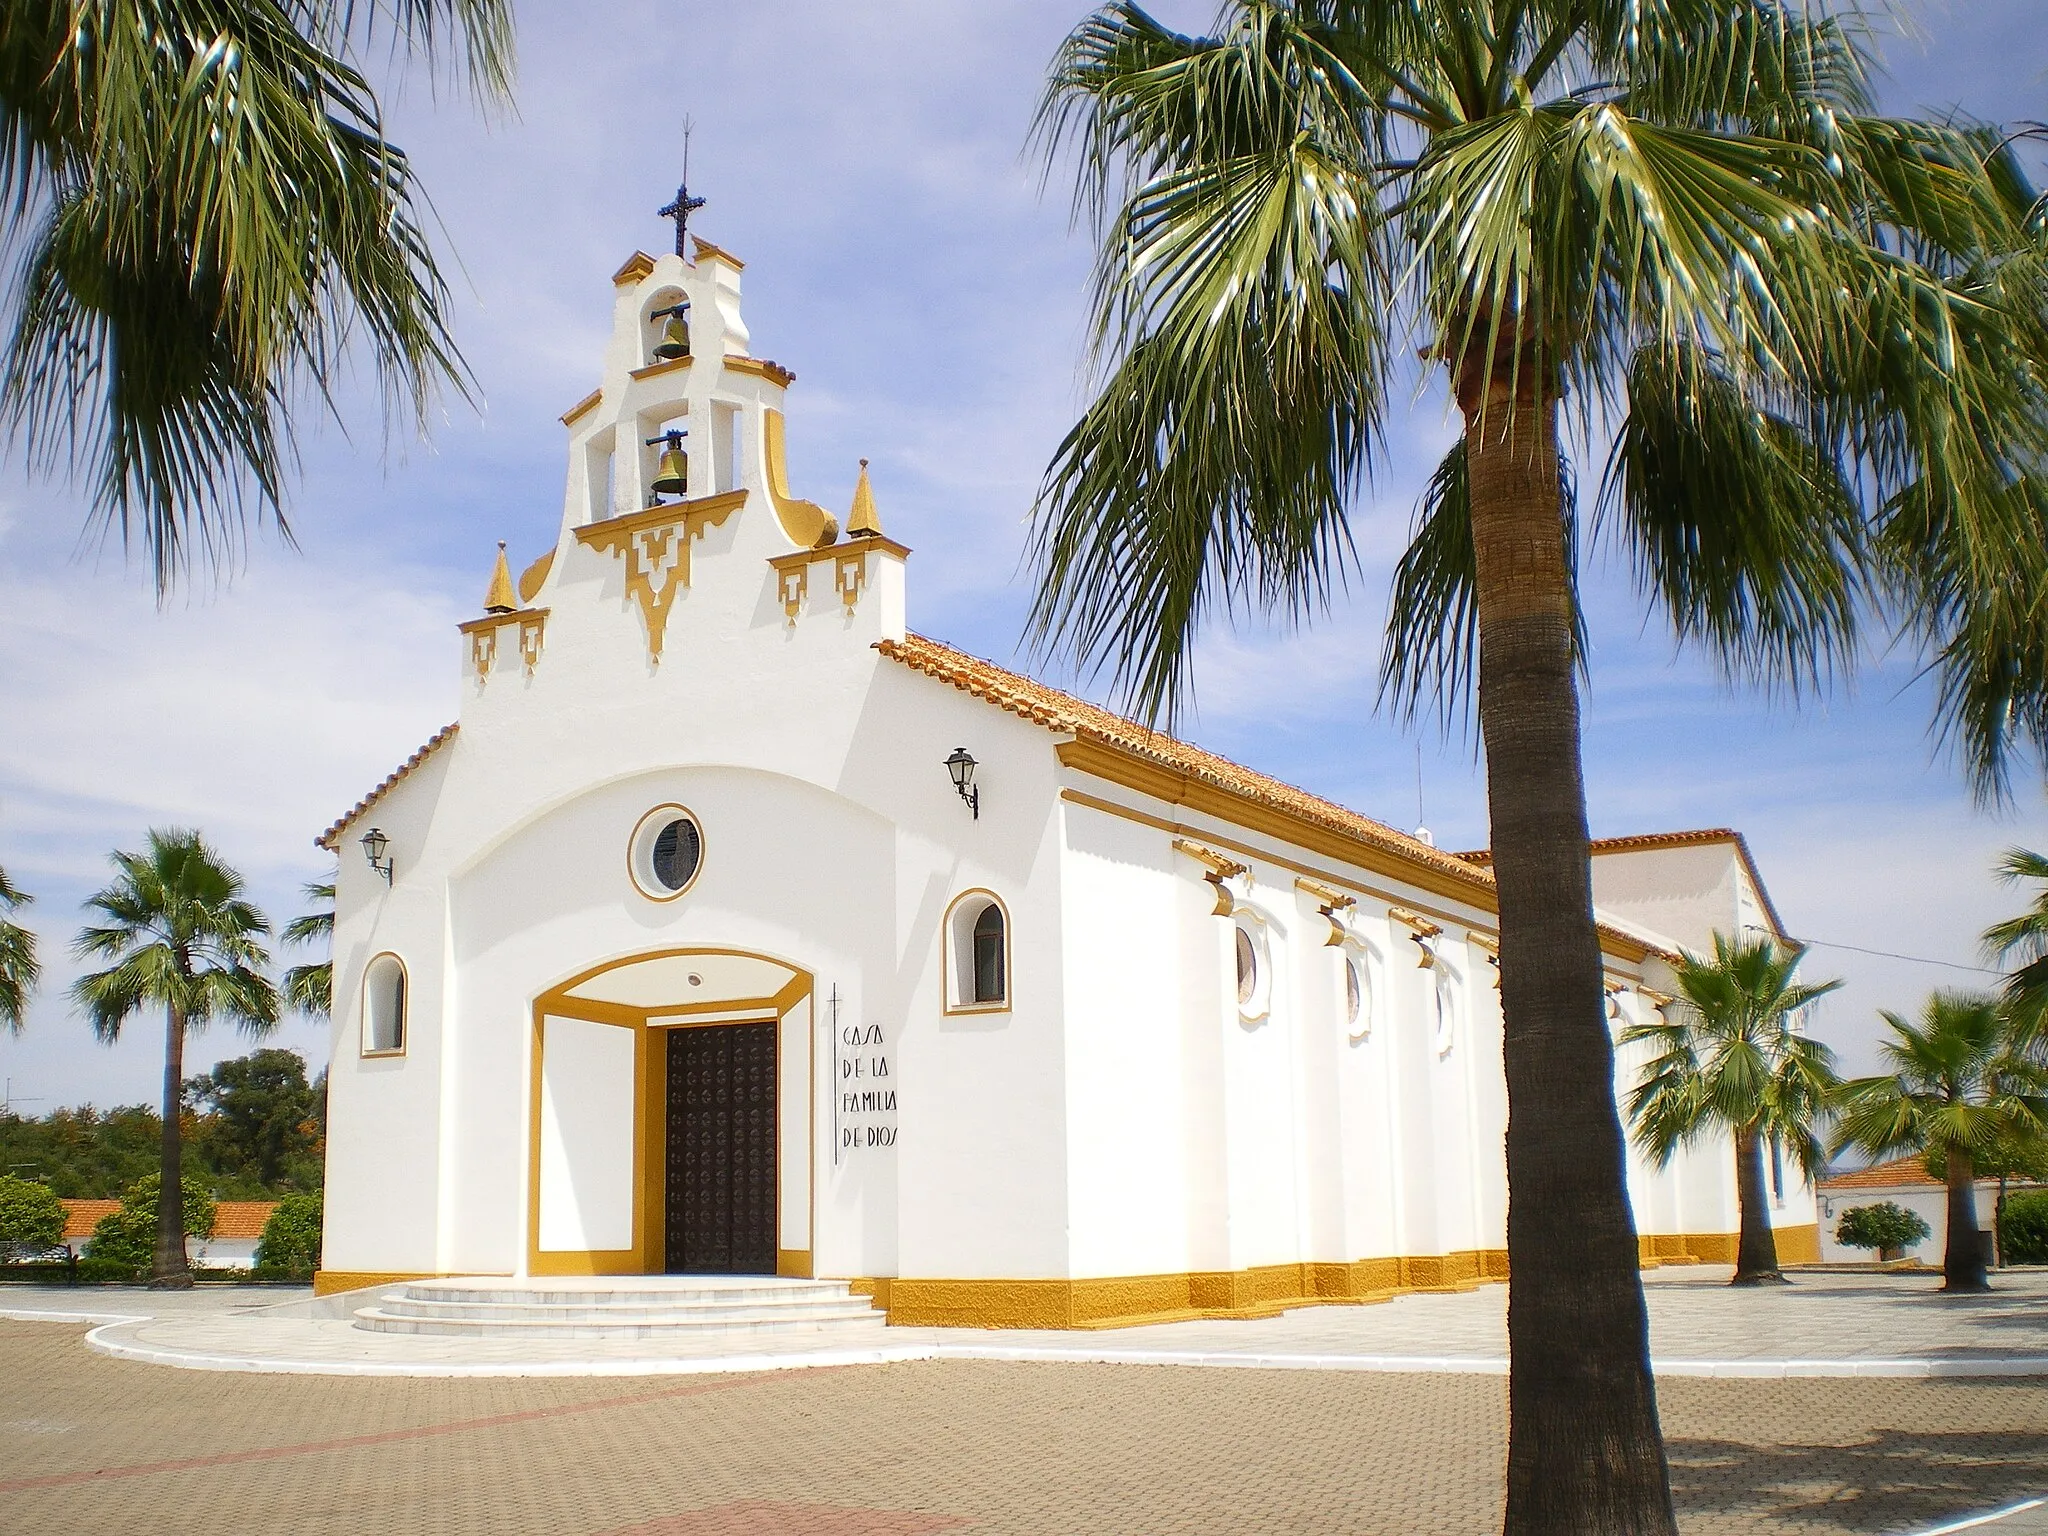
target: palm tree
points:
(309, 989)
(2024, 938)
(1731, 1061)
(19, 968)
(180, 936)
(1819, 337)
(209, 213)
(1960, 1087)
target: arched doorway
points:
(670, 1118)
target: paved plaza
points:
(1823, 1325)
(1004, 1447)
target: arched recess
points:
(970, 961)
(387, 995)
(598, 1108)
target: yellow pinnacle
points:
(862, 521)
(500, 598)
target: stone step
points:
(587, 1311)
(706, 1291)
(685, 1326)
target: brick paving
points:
(982, 1447)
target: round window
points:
(1247, 968)
(677, 847)
(667, 851)
(1354, 990)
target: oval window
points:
(1354, 990)
(1247, 968)
(677, 847)
(667, 852)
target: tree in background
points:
(261, 1114)
(2026, 1229)
(31, 1218)
(2015, 1156)
(1725, 1059)
(85, 1153)
(127, 1240)
(2024, 938)
(1887, 1226)
(309, 988)
(181, 938)
(290, 1247)
(210, 215)
(19, 968)
(1959, 1087)
(1821, 336)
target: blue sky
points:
(868, 162)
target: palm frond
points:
(1742, 527)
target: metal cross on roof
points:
(684, 204)
(680, 210)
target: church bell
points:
(672, 472)
(675, 333)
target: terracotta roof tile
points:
(1049, 707)
(1900, 1173)
(241, 1218)
(331, 838)
(81, 1216)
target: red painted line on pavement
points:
(386, 1437)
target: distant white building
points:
(737, 928)
(1902, 1181)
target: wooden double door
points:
(720, 1212)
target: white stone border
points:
(1992, 1518)
(111, 1337)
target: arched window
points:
(384, 1005)
(977, 954)
(990, 985)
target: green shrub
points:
(126, 1240)
(1886, 1226)
(108, 1271)
(2025, 1227)
(31, 1218)
(290, 1248)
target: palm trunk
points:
(168, 1270)
(1756, 1251)
(1585, 1451)
(1962, 1264)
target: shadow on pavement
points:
(1899, 1481)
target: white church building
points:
(737, 929)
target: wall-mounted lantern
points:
(961, 766)
(375, 848)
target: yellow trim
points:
(806, 524)
(483, 636)
(327, 1282)
(1610, 941)
(534, 575)
(793, 571)
(700, 248)
(684, 813)
(581, 407)
(947, 1004)
(648, 1253)
(647, 539)
(638, 265)
(762, 368)
(793, 1263)
(1125, 1301)
(666, 365)
(363, 1051)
